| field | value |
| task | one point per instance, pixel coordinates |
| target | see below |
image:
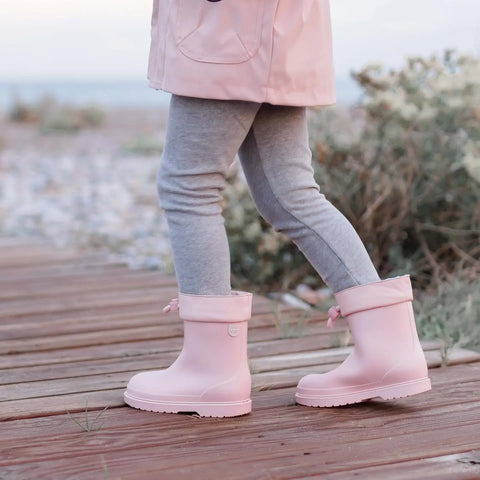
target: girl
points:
(241, 74)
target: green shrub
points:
(63, 119)
(92, 115)
(67, 118)
(408, 180)
(51, 115)
(21, 112)
(451, 313)
(144, 145)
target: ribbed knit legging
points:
(202, 139)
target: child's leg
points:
(202, 139)
(276, 160)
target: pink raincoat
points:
(275, 51)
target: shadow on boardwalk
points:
(75, 327)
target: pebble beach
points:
(93, 188)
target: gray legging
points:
(202, 139)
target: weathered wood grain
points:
(458, 466)
(74, 327)
(290, 449)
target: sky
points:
(109, 39)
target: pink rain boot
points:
(387, 360)
(211, 375)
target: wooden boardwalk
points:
(75, 327)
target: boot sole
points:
(389, 392)
(208, 409)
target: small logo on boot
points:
(233, 330)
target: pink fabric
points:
(272, 51)
(376, 294)
(215, 308)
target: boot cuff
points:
(236, 307)
(376, 294)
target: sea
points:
(118, 93)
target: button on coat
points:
(275, 51)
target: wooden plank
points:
(44, 373)
(39, 288)
(147, 347)
(59, 404)
(286, 362)
(290, 448)
(81, 276)
(39, 260)
(263, 331)
(78, 362)
(106, 315)
(362, 415)
(101, 299)
(84, 264)
(287, 376)
(11, 393)
(134, 349)
(444, 394)
(61, 423)
(90, 338)
(32, 448)
(10, 308)
(459, 466)
(84, 361)
(67, 355)
(334, 355)
(109, 318)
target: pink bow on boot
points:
(333, 314)
(172, 305)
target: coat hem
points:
(270, 96)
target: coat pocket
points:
(225, 31)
